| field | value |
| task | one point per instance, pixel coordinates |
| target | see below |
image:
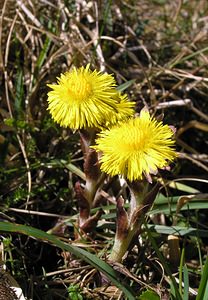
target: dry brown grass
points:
(162, 45)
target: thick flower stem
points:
(91, 188)
(94, 180)
(86, 198)
(120, 247)
(129, 224)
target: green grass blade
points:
(195, 53)
(183, 187)
(18, 103)
(75, 170)
(64, 164)
(90, 258)
(186, 283)
(43, 53)
(181, 270)
(169, 209)
(173, 284)
(178, 230)
(203, 287)
(206, 292)
(125, 85)
(106, 16)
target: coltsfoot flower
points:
(83, 98)
(123, 110)
(136, 147)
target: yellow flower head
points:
(84, 98)
(135, 148)
(123, 109)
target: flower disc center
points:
(79, 90)
(135, 142)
